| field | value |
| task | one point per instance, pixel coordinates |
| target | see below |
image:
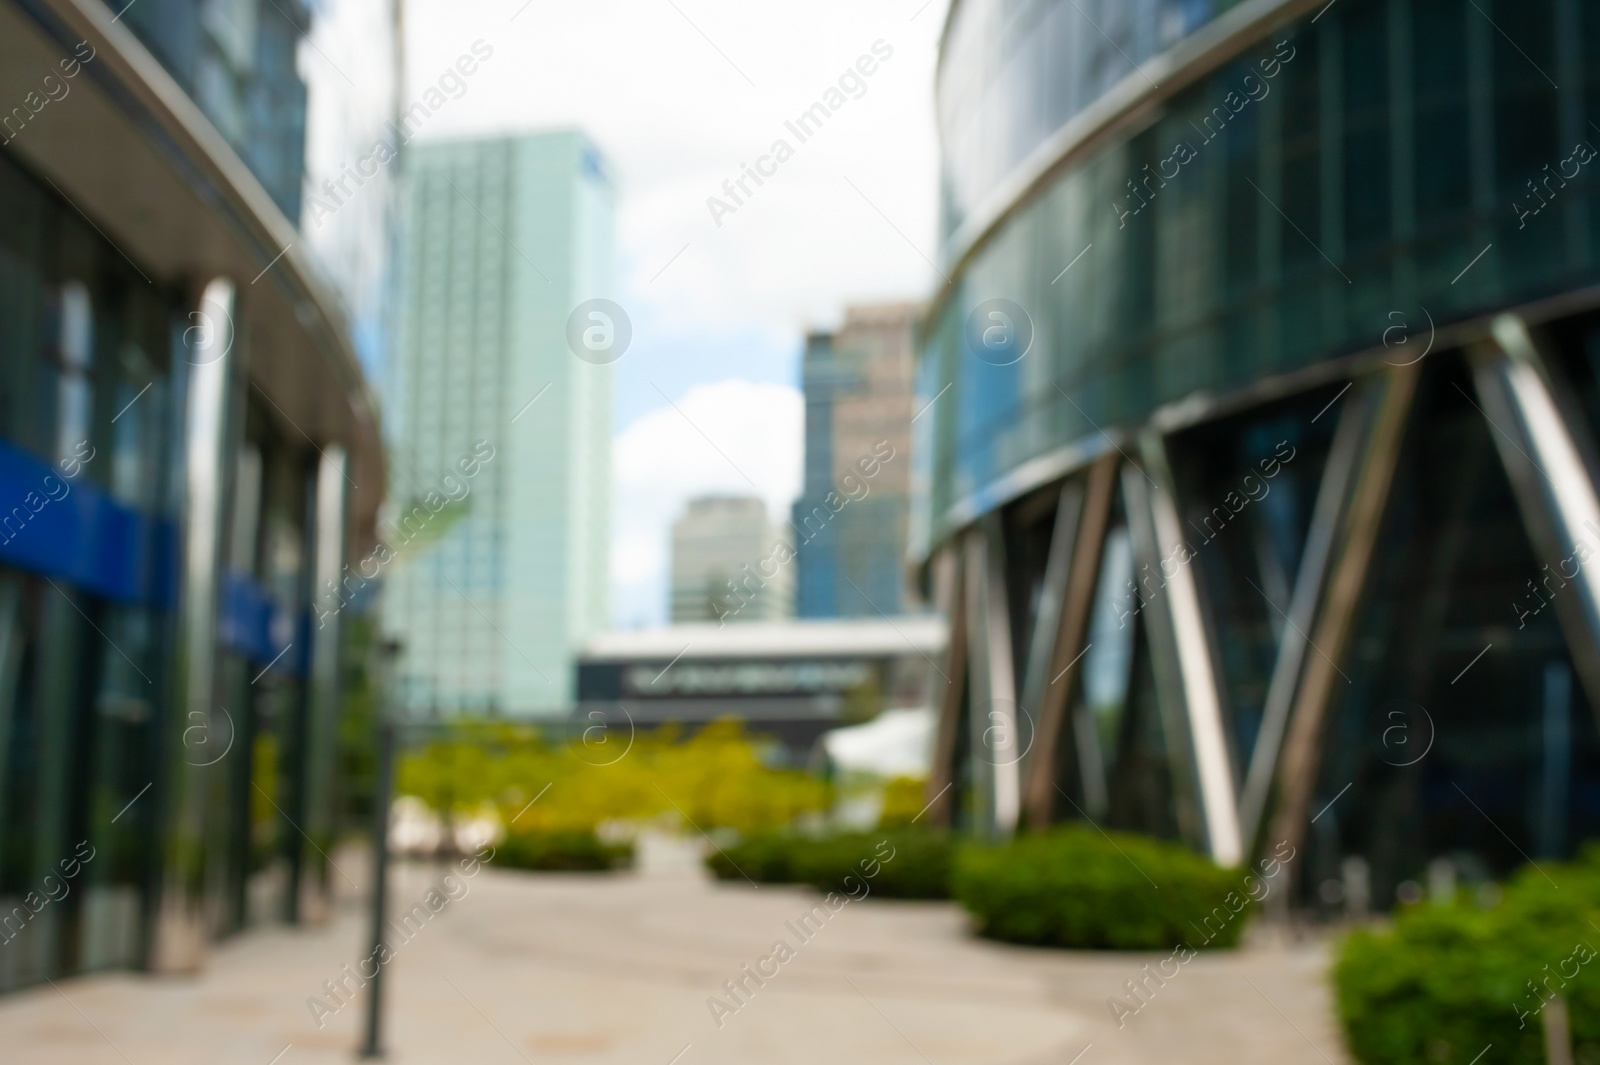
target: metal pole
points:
(380, 880)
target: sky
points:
(679, 95)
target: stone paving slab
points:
(619, 969)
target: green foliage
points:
(714, 779)
(453, 774)
(1448, 979)
(900, 865)
(896, 865)
(765, 857)
(561, 850)
(1074, 887)
(903, 799)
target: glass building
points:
(501, 422)
(189, 472)
(1270, 429)
(849, 524)
(236, 60)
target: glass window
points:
(1278, 244)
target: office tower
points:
(729, 563)
(851, 517)
(190, 459)
(502, 434)
(1263, 418)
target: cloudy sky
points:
(679, 94)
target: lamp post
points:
(372, 1046)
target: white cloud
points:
(677, 119)
(732, 437)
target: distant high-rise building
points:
(851, 515)
(730, 563)
(502, 455)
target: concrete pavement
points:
(602, 969)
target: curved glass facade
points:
(1268, 429)
(1394, 157)
(1011, 74)
(237, 61)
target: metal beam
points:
(1047, 622)
(996, 745)
(1155, 609)
(1542, 454)
(1354, 545)
(321, 737)
(178, 936)
(949, 600)
(1196, 662)
(1329, 512)
(1064, 609)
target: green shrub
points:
(564, 851)
(1446, 980)
(896, 865)
(901, 864)
(763, 857)
(1076, 887)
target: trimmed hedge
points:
(764, 857)
(564, 851)
(1073, 887)
(896, 864)
(1446, 980)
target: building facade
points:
(237, 60)
(1263, 495)
(729, 563)
(502, 422)
(190, 466)
(850, 521)
(791, 680)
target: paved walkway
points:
(572, 968)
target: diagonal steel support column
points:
(1046, 626)
(1354, 544)
(1542, 455)
(1331, 509)
(1192, 682)
(996, 744)
(1070, 575)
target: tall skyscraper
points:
(503, 434)
(729, 563)
(851, 515)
